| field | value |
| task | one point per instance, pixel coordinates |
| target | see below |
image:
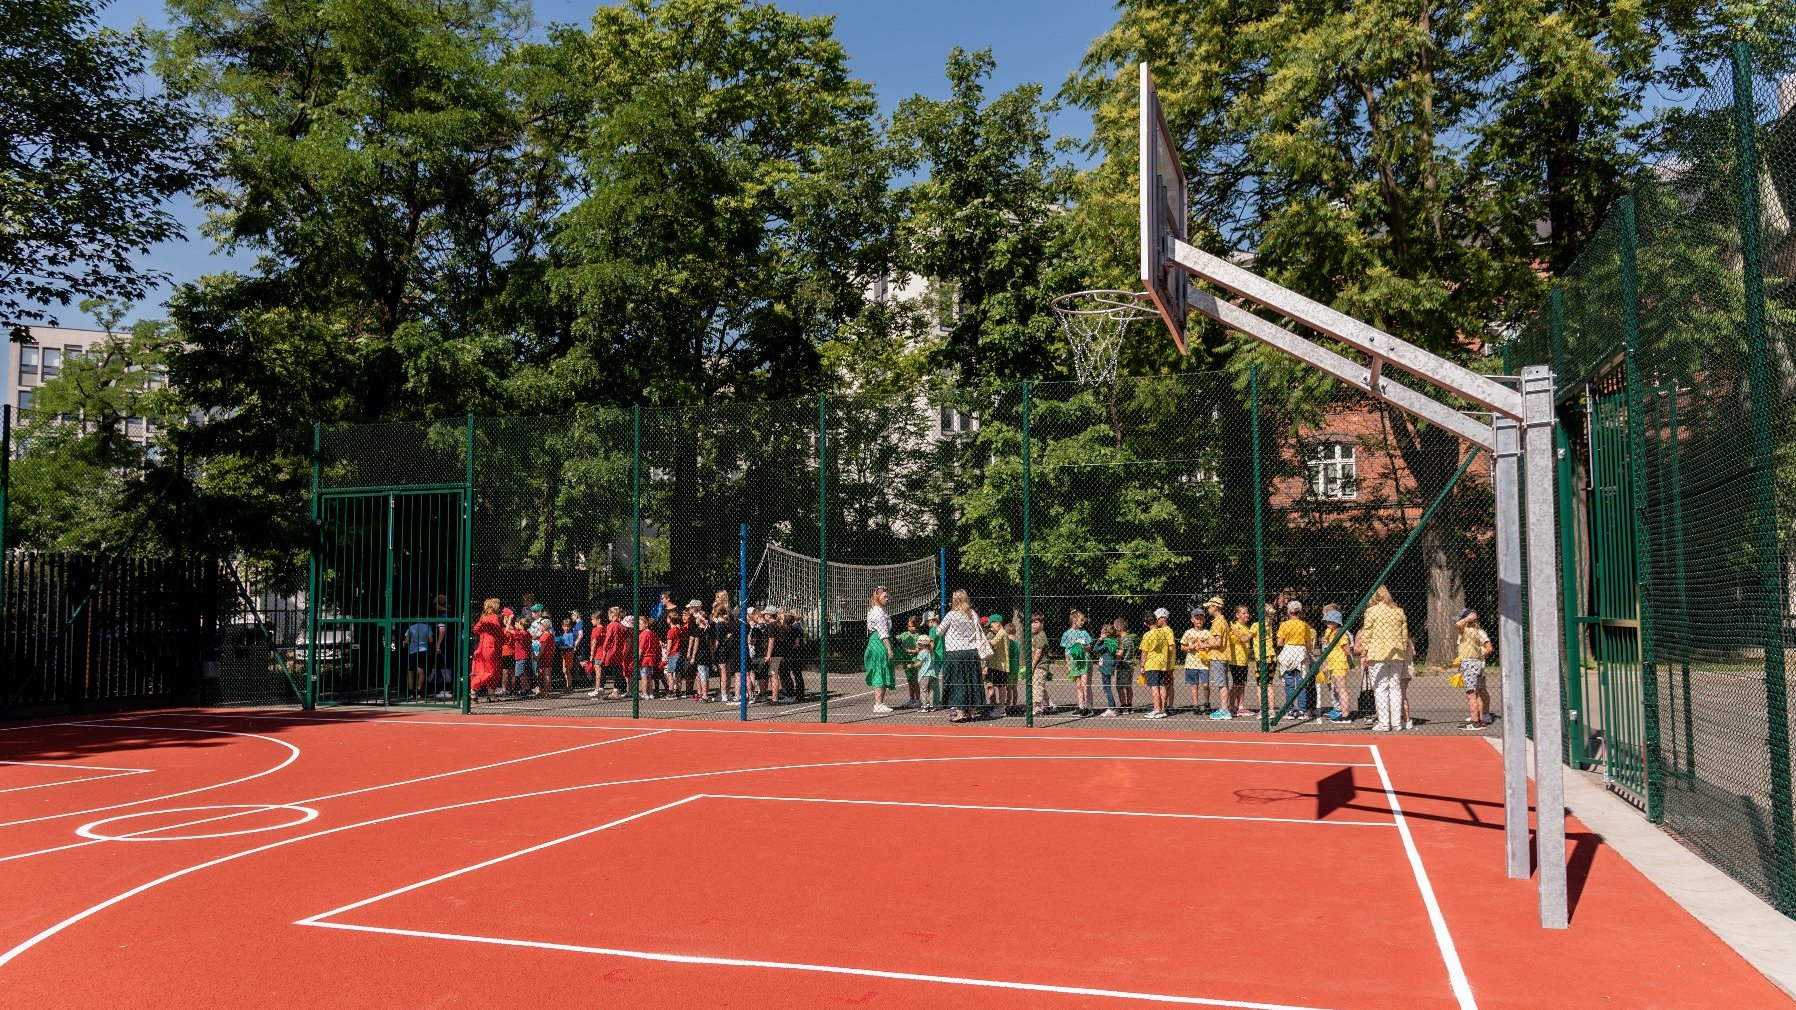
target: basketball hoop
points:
(1094, 322)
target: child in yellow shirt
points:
(1295, 640)
(1336, 664)
(1474, 646)
(1156, 663)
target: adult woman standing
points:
(1384, 641)
(485, 668)
(878, 657)
(961, 689)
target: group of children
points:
(1215, 658)
(673, 652)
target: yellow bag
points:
(1456, 679)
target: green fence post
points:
(1759, 393)
(1575, 733)
(1643, 558)
(463, 679)
(636, 560)
(310, 701)
(822, 558)
(1259, 551)
(1025, 628)
(1675, 481)
(5, 485)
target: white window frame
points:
(1332, 470)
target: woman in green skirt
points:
(878, 657)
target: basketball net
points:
(1094, 323)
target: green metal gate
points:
(1615, 625)
(390, 618)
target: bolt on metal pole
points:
(1510, 651)
(1543, 644)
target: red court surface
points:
(201, 859)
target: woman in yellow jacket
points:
(1384, 641)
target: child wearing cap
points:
(1156, 661)
(1075, 641)
(1474, 647)
(1195, 645)
(1295, 640)
(1338, 662)
(1218, 654)
(1038, 664)
(927, 667)
(997, 668)
(906, 655)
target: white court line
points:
(642, 955)
(1046, 810)
(852, 730)
(65, 766)
(20, 948)
(827, 969)
(319, 799)
(1462, 987)
(292, 756)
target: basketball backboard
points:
(1165, 213)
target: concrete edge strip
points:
(1740, 918)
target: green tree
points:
(391, 166)
(733, 210)
(1392, 160)
(88, 158)
(984, 223)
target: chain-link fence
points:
(723, 560)
(1672, 337)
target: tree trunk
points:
(1446, 591)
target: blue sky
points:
(899, 46)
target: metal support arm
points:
(1454, 378)
(1341, 367)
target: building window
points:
(949, 421)
(134, 427)
(26, 397)
(52, 362)
(28, 356)
(1334, 473)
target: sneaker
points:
(1335, 714)
(1409, 724)
(1108, 713)
(993, 712)
(1221, 713)
(1155, 715)
(883, 709)
(1470, 727)
(928, 708)
(1338, 717)
(1380, 728)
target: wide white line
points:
(1462, 987)
(50, 931)
(1048, 734)
(318, 799)
(292, 756)
(496, 860)
(1045, 810)
(827, 969)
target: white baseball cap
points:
(1294, 606)
(1162, 612)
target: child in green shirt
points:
(907, 653)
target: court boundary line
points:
(1443, 937)
(292, 756)
(130, 836)
(63, 765)
(848, 729)
(320, 921)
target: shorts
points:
(1219, 671)
(1195, 675)
(675, 663)
(1237, 675)
(1472, 672)
(416, 662)
(998, 678)
(1159, 678)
